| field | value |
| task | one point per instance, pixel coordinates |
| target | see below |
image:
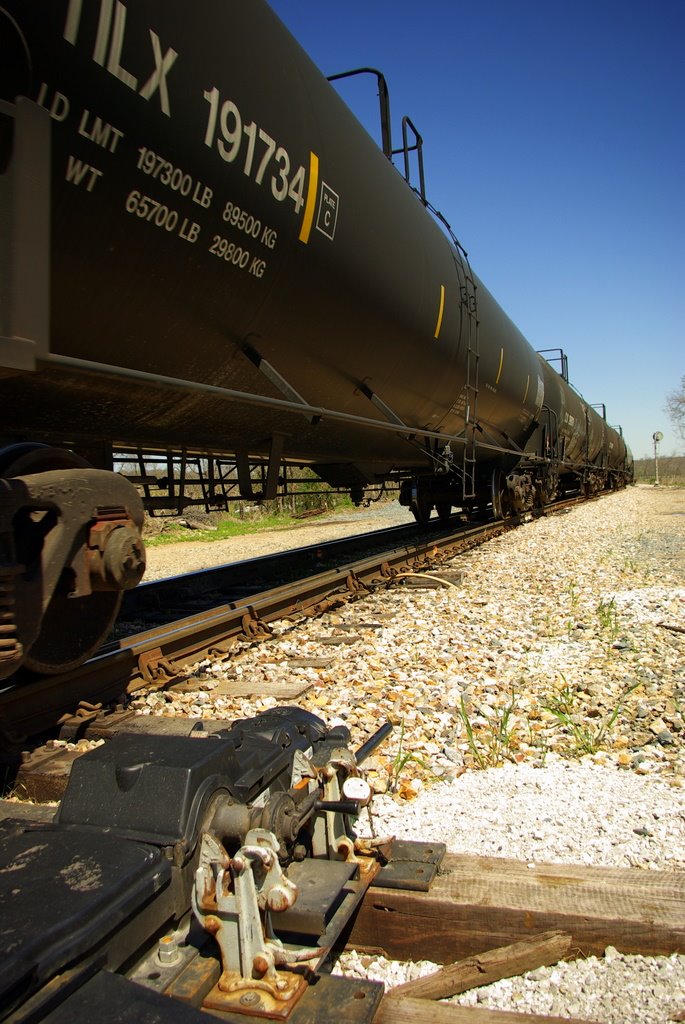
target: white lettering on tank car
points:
(327, 217)
(58, 108)
(269, 238)
(173, 177)
(204, 197)
(189, 230)
(230, 252)
(109, 44)
(79, 173)
(151, 210)
(100, 132)
(260, 154)
(249, 224)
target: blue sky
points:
(554, 144)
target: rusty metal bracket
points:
(233, 899)
(255, 628)
(223, 650)
(327, 604)
(156, 669)
(354, 584)
(85, 712)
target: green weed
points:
(608, 617)
(400, 761)
(574, 597)
(587, 738)
(494, 742)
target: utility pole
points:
(656, 437)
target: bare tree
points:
(675, 407)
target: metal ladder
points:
(469, 320)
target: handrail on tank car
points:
(407, 149)
(383, 99)
(560, 356)
(386, 131)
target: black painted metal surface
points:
(211, 210)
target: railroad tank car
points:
(204, 248)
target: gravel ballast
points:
(538, 706)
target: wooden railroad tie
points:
(538, 913)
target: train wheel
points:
(498, 495)
(444, 510)
(72, 628)
(421, 509)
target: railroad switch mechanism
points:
(233, 899)
(224, 871)
(303, 880)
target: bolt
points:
(167, 951)
(261, 964)
(251, 999)
(124, 557)
(280, 897)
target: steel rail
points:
(155, 658)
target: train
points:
(205, 251)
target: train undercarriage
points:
(503, 493)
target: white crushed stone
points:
(614, 989)
(565, 813)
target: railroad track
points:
(395, 900)
(151, 603)
(160, 657)
(534, 914)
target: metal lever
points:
(341, 806)
(374, 741)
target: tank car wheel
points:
(444, 510)
(72, 628)
(421, 509)
(498, 495)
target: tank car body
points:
(211, 212)
(202, 248)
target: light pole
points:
(656, 437)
